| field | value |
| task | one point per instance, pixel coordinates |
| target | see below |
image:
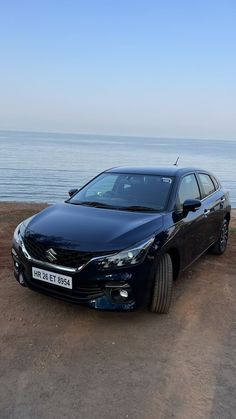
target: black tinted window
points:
(188, 189)
(207, 184)
(215, 181)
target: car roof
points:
(154, 170)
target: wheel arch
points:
(227, 217)
(175, 258)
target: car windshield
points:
(132, 192)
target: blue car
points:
(120, 241)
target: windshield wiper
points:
(139, 208)
(97, 204)
(94, 204)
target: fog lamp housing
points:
(124, 293)
(119, 293)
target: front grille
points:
(64, 257)
(81, 293)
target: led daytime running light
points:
(128, 257)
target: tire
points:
(162, 289)
(220, 246)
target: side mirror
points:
(72, 192)
(191, 205)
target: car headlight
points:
(17, 235)
(128, 257)
(20, 230)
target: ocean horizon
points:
(42, 167)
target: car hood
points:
(92, 229)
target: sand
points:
(66, 361)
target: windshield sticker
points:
(166, 180)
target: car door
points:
(192, 234)
(213, 203)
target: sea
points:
(42, 167)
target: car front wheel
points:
(162, 289)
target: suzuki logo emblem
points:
(51, 255)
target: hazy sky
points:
(150, 67)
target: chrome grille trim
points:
(54, 266)
(50, 265)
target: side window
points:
(188, 189)
(207, 184)
(215, 181)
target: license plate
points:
(52, 278)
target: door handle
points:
(206, 212)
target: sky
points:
(122, 67)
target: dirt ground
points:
(59, 360)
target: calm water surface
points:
(43, 167)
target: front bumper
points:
(97, 289)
